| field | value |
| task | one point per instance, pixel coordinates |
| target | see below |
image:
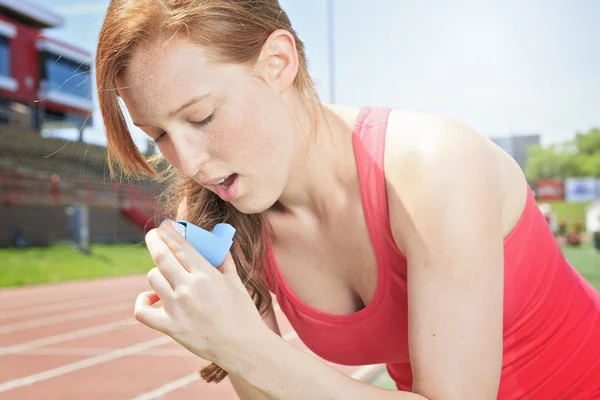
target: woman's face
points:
(216, 123)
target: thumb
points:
(155, 318)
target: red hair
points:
(235, 31)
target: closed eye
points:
(206, 121)
(159, 137)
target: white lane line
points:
(158, 393)
(88, 362)
(363, 372)
(61, 307)
(5, 298)
(94, 351)
(35, 323)
(63, 337)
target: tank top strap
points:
(369, 147)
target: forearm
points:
(244, 390)
(283, 372)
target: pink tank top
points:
(551, 314)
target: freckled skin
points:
(251, 134)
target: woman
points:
(388, 236)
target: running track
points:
(79, 341)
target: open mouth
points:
(226, 188)
(226, 182)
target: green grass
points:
(585, 259)
(572, 213)
(62, 263)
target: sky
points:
(503, 67)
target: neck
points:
(323, 176)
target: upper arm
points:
(445, 210)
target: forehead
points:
(163, 74)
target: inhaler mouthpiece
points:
(214, 245)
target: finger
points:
(155, 318)
(183, 250)
(153, 297)
(160, 284)
(165, 260)
(228, 266)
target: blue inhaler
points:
(214, 245)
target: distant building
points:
(44, 83)
(517, 146)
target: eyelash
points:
(204, 122)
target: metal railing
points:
(19, 188)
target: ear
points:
(278, 60)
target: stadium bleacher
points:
(27, 151)
(41, 178)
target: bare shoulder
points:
(434, 162)
(427, 140)
(446, 196)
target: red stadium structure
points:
(53, 189)
(42, 80)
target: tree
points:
(588, 156)
(554, 161)
(579, 157)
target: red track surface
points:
(79, 341)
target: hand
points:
(207, 310)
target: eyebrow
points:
(190, 102)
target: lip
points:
(213, 182)
(228, 194)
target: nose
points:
(190, 165)
(190, 159)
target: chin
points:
(252, 205)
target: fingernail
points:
(178, 227)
